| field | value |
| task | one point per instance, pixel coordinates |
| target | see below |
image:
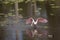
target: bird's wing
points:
(42, 20)
(29, 21)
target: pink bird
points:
(32, 21)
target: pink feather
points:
(29, 21)
(42, 20)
